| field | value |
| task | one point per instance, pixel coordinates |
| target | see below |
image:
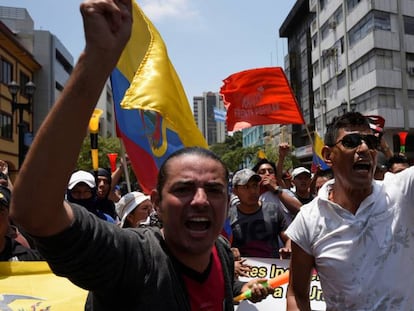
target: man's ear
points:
(156, 202)
(234, 190)
(327, 154)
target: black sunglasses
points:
(354, 140)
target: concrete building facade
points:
(57, 65)
(359, 56)
(16, 64)
(211, 126)
(107, 120)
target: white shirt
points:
(365, 261)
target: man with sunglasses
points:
(358, 233)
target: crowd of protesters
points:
(170, 240)
(180, 265)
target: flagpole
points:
(125, 166)
(312, 143)
(310, 137)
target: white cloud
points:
(157, 10)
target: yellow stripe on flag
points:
(261, 154)
(33, 286)
(155, 84)
(318, 145)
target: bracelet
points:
(277, 190)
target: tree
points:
(235, 156)
(232, 152)
(290, 162)
(105, 146)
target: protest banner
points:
(270, 268)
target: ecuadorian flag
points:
(317, 160)
(31, 285)
(152, 112)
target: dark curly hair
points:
(263, 161)
(349, 119)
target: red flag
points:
(259, 96)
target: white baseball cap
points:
(300, 170)
(81, 176)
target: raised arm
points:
(290, 201)
(284, 149)
(53, 154)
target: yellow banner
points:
(32, 286)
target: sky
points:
(207, 40)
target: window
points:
(382, 21)
(386, 98)
(325, 30)
(63, 62)
(375, 20)
(315, 68)
(328, 89)
(322, 4)
(383, 60)
(409, 25)
(375, 59)
(377, 98)
(315, 41)
(352, 3)
(341, 80)
(6, 71)
(360, 30)
(338, 15)
(24, 78)
(6, 126)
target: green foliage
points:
(272, 155)
(105, 146)
(232, 152)
(235, 156)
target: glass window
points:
(409, 25)
(322, 4)
(6, 71)
(5, 126)
(341, 80)
(24, 78)
(382, 21)
(352, 3)
(315, 41)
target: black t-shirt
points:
(14, 251)
(305, 200)
(106, 206)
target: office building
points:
(352, 55)
(106, 104)
(16, 123)
(54, 58)
(209, 113)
